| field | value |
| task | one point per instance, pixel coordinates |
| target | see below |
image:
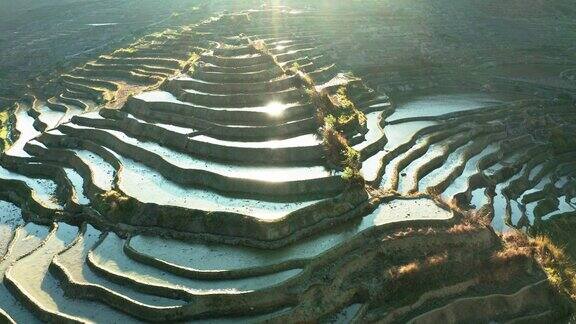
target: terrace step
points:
(302, 148)
(26, 278)
(162, 191)
(198, 261)
(236, 61)
(161, 62)
(525, 300)
(26, 240)
(291, 95)
(81, 104)
(266, 75)
(109, 261)
(229, 131)
(42, 191)
(26, 132)
(227, 50)
(270, 114)
(10, 219)
(208, 67)
(79, 280)
(187, 82)
(131, 67)
(397, 141)
(48, 118)
(228, 161)
(5, 318)
(190, 171)
(130, 76)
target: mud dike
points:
(211, 198)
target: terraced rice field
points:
(189, 181)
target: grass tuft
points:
(557, 265)
(516, 245)
(5, 122)
(127, 50)
(115, 203)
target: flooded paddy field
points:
(237, 167)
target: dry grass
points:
(461, 228)
(260, 46)
(126, 50)
(482, 217)
(418, 267)
(112, 202)
(437, 260)
(406, 270)
(513, 259)
(516, 245)
(555, 244)
(557, 265)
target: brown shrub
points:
(559, 268)
(516, 246)
(461, 228)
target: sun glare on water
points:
(275, 109)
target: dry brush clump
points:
(115, 203)
(431, 264)
(420, 274)
(515, 245)
(515, 256)
(260, 47)
(303, 80)
(461, 228)
(481, 217)
(519, 248)
(559, 268)
(414, 267)
(404, 270)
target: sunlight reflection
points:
(276, 109)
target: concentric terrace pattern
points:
(212, 197)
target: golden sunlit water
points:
(276, 109)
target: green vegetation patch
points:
(340, 117)
(562, 141)
(126, 50)
(5, 126)
(348, 117)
